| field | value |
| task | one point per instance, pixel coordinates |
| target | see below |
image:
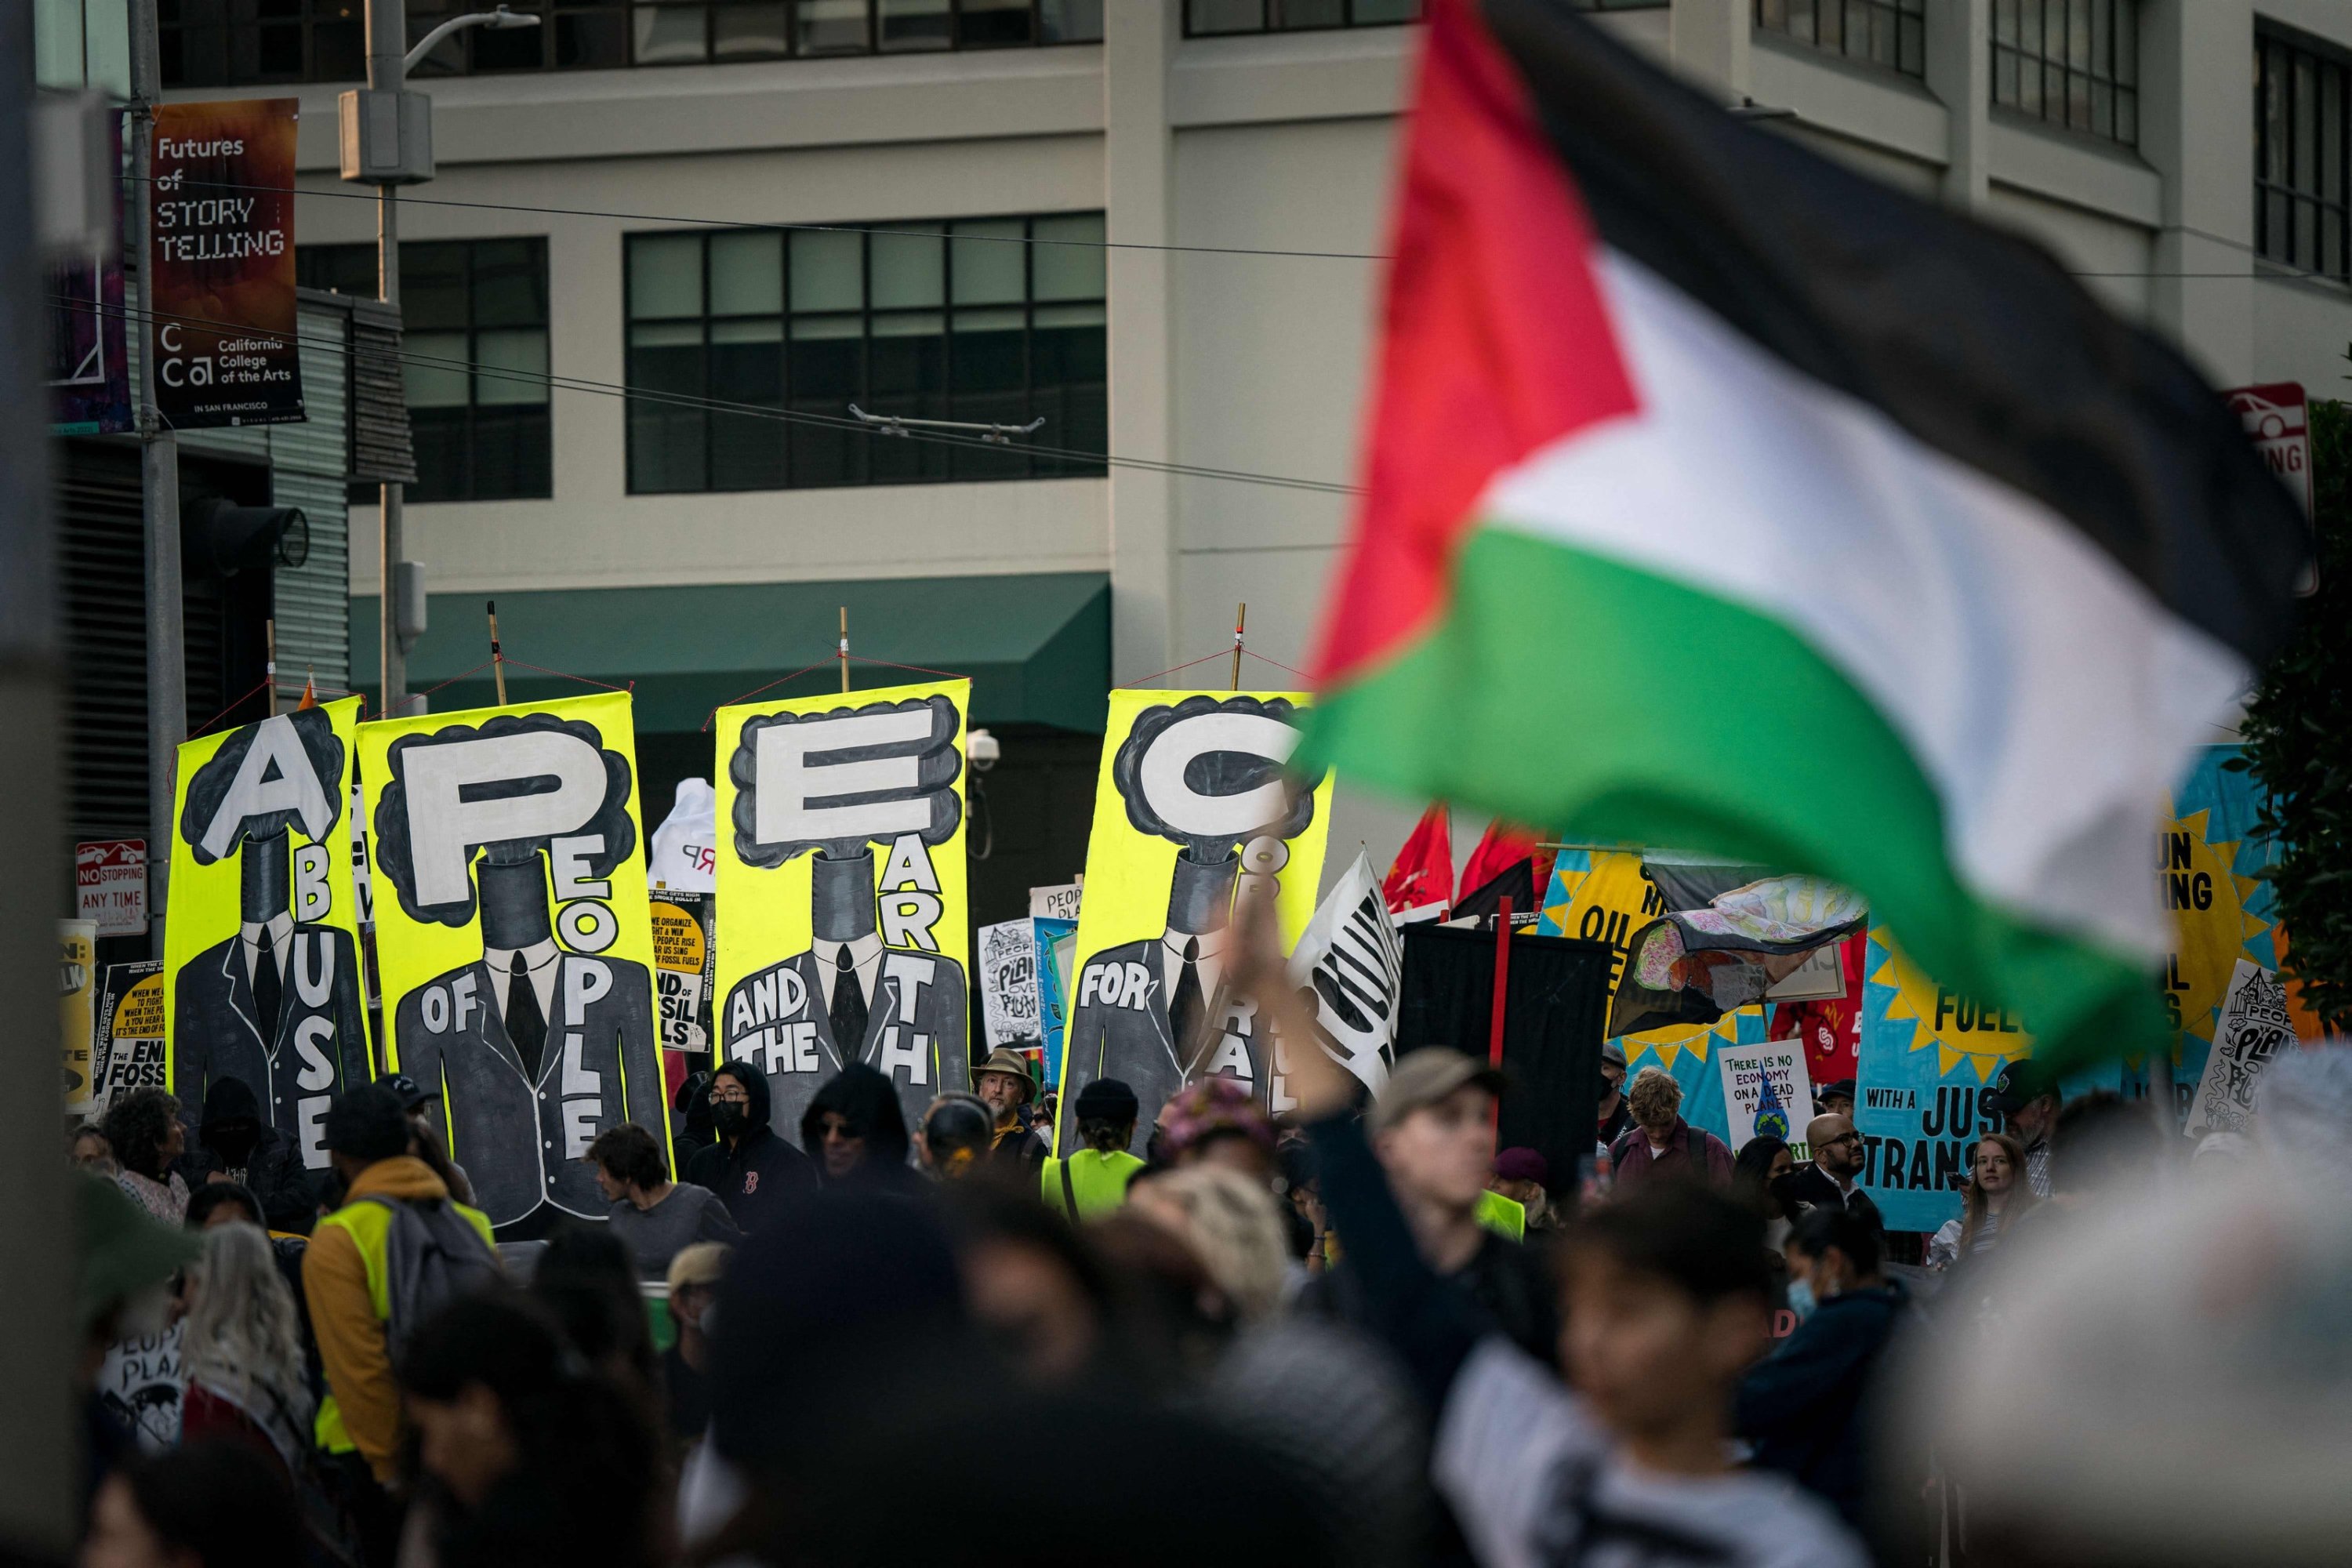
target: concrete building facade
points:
(2187, 158)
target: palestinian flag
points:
(1719, 497)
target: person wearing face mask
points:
(753, 1172)
(1809, 1408)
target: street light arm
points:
(499, 20)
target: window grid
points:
(238, 43)
(474, 320)
(769, 320)
(1217, 18)
(2073, 63)
(1889, 34)
(2302, 157)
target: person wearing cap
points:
(1092, 1180)
(430, 1147)
(1522, 1175)
(1432, 1128)
(1004, 1082)
(1616, 1119)
(694, 1276)
(1835, 1099)
(2026, 1098)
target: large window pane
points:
(912, 25)
(665, 276)
(828, 270)
(1067, 259)
(994, 24)
(668, 35)
(831, 27)
(2303, 205)
(747, 273)
(988, 262)
(744, 32)
(1070, 21)
(747, 366)
(909, 269)
(434, 369)
(511, 365)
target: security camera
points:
(981, 748)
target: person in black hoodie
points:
(753, 1172)
(232, 1145)
(854, 1131)
(692, 1129)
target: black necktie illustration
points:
(268, 989)
(526, 1024)
(1184, 1008)
(849, 1015)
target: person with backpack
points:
(398, 1248)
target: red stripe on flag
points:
(1497, 342)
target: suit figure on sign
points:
(877, 983)
(1156, 1014)
(536, 1046)
(278, 1006)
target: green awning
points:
(1037, 646)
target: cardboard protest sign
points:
(262, 946)
(1605, 894)
(1059, 902)
(1351, 957)
(1766, 1093)
(128, 1052)
(1924, 1092)
(686, 959)
(514, 940)
(2209, 857)
(1008, 981)
(1193, 811)
(2254, 1029)
(77, 988)
(1057, 958)
(841, 865)
(222, 255)
(140, 1384)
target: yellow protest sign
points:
(77, 986)
(514, 940)
(261, 953)
(841, 869)
(1192, 814)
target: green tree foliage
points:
(2298, 734)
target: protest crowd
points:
(1362, 1335)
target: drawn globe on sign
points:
(1772, 1115)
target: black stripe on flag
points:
(1975, 342)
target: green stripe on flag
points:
(1596, 699)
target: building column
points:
(1139, 44)
(1709, 42)
(2197, 114)
(1959, 73)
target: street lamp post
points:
(387, 142)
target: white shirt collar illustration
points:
(541, 956)
(280, 927)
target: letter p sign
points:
(462, 795)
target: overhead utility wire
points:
(2288, 269)
(719, 405)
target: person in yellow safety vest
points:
(347, 1278)
(1093, 1180)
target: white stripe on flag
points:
(2049, 699)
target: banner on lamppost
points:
(221, 254)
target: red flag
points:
(310, 694)
(1503, 846)
(1423, 872)
(1832, 1027)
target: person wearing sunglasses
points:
(1833, 1178)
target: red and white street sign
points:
(2279, 424)
(110, 885)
